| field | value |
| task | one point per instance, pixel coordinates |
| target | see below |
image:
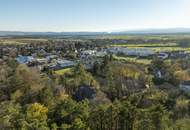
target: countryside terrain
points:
(95, 82)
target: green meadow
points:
(62, 71)
(133, 59)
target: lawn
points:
(146, 45)
(169, 49)
(127, 37)
(158, 49)
(133, 59)
(63, 71)
(20, 41)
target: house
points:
(185, 86)
(89, 61)
(100, 53)
(87, 53)
(61, 64)
(41, 61)
(163, 55)
(89, 57)
(65, 63)
(24, 59)
(51, 57)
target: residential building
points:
(185, 86)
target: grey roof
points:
(186, 82)
(24, 59)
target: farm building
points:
(61, 64)
(24, 59)
(132, 51)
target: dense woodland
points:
(114, 95)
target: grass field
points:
(160, 48)
(133, 60)
(146, 45)
(63, 71)
(148, 37)
(20, 41)
(170, 49)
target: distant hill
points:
(155, 31)
(142, 31)
(18, 33)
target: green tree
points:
(182, 124)
(10, 114)
(71, 115)
(36, 117)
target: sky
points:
(92, 15)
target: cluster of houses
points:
(89, 57)
(54, 62)
(51, 62)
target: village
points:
(62, 56)
(59, 56)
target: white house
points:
(41, 60)
(163, 55)
(88, 52)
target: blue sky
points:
(92, 15)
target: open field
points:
(148, 37)
(165, 49)
(156, 47)
(63, 71)
(170, 49)
(20, 41)
(146, 45)
(133, 60)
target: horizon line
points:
(97, 31)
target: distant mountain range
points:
(19, 33)
(156, 31)
(142, 31)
